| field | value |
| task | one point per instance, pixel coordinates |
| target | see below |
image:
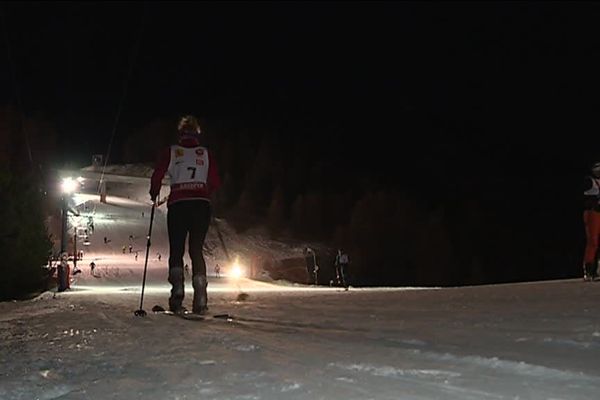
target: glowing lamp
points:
(237, 271)
(68, 185)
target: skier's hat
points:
(188, 124)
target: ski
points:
(157, 309)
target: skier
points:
(136, 256)
(311, 265)
(194, 177)
(591, 219)
(158, 255)
(130, 249)
(90, 224)
(64, 273)
(217, 270)
(341, 263)
(124, 248)
(92, 267)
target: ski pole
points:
(141, 312)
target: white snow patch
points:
(246, 347)
(291, 387)
(391, 372)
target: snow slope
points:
(524, 341)
(538, 340)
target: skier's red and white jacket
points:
(193, 173)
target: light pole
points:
(68, 186)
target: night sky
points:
(496, 77)
(502, 94)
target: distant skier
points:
(591, 219)
(64, 273)
(311, 265)
(217, 270)
(159, 256)
(105, 240)
(341, 265)
(194, 178)
(130, 249)
(124, 248)
(92, 267)
(136, 256)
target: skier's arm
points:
(160, 170)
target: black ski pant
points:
(341, 274)
(188, 217)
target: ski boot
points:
(200, 301)
(177, 290)
(588, 272)
(596, 273)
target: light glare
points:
(237, 271)
(68, 185)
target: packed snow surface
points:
(538, 340)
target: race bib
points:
(188, 168)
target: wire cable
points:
(132, 59)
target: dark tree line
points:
(419, 210)
(24, 240)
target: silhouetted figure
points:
(64, 273)
(591, 218)
(341, 265)
(311, 265)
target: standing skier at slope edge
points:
(591, 219)
(194, 177)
